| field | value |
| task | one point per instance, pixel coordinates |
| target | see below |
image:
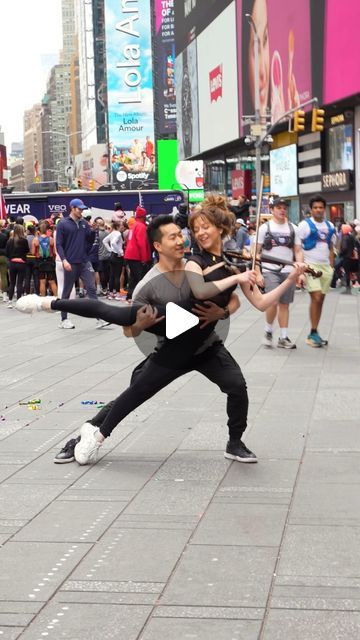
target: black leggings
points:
(181, 347)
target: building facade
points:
(297, 62)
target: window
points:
(340, 148)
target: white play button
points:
(178, 320)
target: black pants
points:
(116, 265)
(350, 266)
(86, 273)
(148, 378)
(17, 276)
(104, 272)
(137, 270)
(32, 271)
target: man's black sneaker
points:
(236, 450)
(67, 452)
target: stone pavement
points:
(164, 538)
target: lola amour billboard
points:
(130, 92)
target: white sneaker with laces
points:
(87, 450)
(66, 324)
(5, 297)
(9, 304)
(100, 324)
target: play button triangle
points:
(178, 320)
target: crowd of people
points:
(82, 255)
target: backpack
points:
(271, 241)
(311, 241)
(44, 247)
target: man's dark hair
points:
(317, 198)
(19, 220)
(118, 206)
(154, 229)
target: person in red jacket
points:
(137, 253)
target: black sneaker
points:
(236, 450)
(67, 452)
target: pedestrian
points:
(3, 262)
(137, 252)
(278, 238)
(318, 237)
(113, 243)
(43, 248)
(16, 251)
(73, 237)
(104, 256)
(348, 254)
(119, 214)
(242, 235)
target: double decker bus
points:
(101, 203)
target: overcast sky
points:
(30, 41)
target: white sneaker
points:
(29, 304)
(9, 304)
(268, 339)
(66, 324)
(5, 297)
(87, 450)
(100, 324)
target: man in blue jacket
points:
(74, 237)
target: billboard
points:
(217, 79)
(187, 102)
(187, 175)
(130, 93)
(284, 31)
(164, 51)
(283, 171)
(192, 17)
(92, 165)
(341, 34)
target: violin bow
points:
(258, 214)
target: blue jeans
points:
(84, 271)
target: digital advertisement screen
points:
(192, 17)
(283, 171)
(284, 32)
(187, 106)
(130, 93)
(164, 43)
(341, 50)
(217, 78)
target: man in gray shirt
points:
(166, 282)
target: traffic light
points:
(91, 184)
(79, 183)
(299, 120)
(317, 120)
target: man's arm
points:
(146, 317)
(210, 312)
(60, 242)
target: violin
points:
(243, 262)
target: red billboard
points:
(3, 165)
(241, 183)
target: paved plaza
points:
(164, 538)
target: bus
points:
(41, 206)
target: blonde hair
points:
(215, 209)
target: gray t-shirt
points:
(157, 288)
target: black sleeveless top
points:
(205, 259)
